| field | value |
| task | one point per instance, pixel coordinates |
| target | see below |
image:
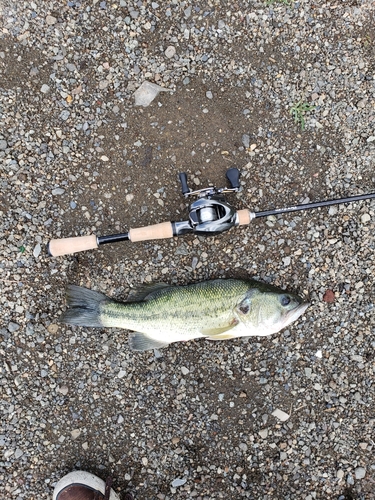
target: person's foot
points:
(81, 485)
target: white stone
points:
(281, 415)
(263, 433)
(147, 92)
(50, 20)
(360, 472)
(333, 210)
(340, 474)
(170, 52)
(63, 389)
(37, 250)
(45, 88)
(178, 482)
(75, 433)
(365, 218)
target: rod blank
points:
(318, 204)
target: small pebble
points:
(63, 389)
(281, 415)
(37, 250)
(178, 482)
(45, 88)
(340, 474)
(50, 20)
(64, 115)
(329, 296)
(13, 327)
(246, 141)
(75, 433)
(365, 218)
(333, 210)
(170, 52)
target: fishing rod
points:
(209, 215)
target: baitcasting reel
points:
(210, 214)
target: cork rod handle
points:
(244, 217)
(65, 246)
(155, 232)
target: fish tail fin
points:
(142, 342)
(83, 307)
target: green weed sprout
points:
(298, 111)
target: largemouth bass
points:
(161, 314)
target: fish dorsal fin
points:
(141, 342)
(144, 292)
(213, 332)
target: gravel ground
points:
(290, 416)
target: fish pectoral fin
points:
(223, 336)
(142, 342)
(144, 292)
(213, 332)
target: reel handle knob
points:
(183, 179)
(233, 176)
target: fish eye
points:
(285, 300)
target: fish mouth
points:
(295, 313)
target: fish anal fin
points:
(223, 336)
(142, 342)
(213, 332)
(145, 292)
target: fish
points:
(160, 314)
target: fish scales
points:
(190, 307)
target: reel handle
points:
(233, 176)
(183, 179)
